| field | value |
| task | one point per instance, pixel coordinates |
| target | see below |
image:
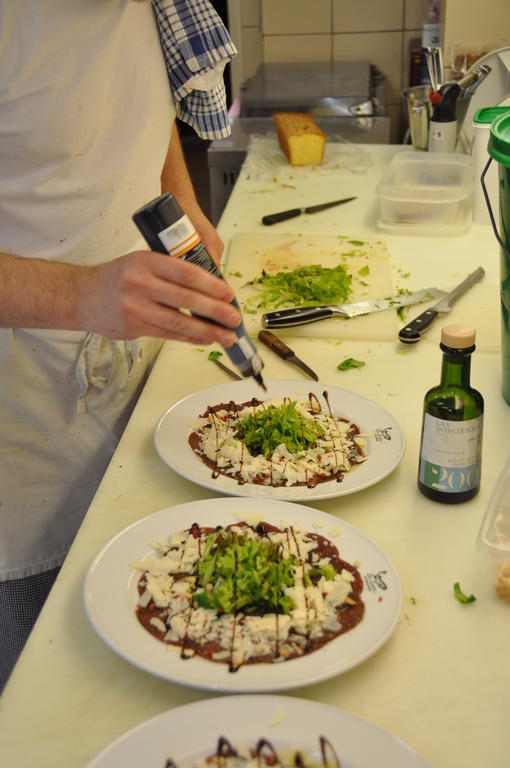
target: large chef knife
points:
(274, 218)
(412, 332)
(285, 352)
(284, 318)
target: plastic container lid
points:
(499, 140)
(487, 115)
(494, 533)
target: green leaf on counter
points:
(214, 355)
(460, 596)
(349, 363)
(364, 271)
(356, 242)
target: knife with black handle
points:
(412, 332)
(285, 318)
(274, 218)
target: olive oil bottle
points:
(451, 437)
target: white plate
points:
(385, 450)
(192, 731)
(110, 594)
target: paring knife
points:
(412, 332)
(285, 318)
(227, 370)
(274, 218)
(285, 352)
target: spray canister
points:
(168, 230)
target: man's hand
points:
(142, 293)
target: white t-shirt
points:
(85, 121)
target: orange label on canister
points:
(180, 237)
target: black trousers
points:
(21, 601)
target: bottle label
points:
(451, 454)
(182, 240)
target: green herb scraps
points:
(239, 573)
(263, 431)
(214, 355)
(460, 596)
(349, 363)
(304, 286)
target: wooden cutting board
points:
(249, 254)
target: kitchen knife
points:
(227, 370)
(412, 332)
(285, 352)
(284, 318)
(274, 218)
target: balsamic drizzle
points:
(266, 755)
(316, 409)
(188, 647)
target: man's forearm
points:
(175, 178)
(138, 294)
(40, 294)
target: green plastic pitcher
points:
(499, 150)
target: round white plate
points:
(191, 732)
(110, 593)
(385, 449)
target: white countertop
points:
(440, 683)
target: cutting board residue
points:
(249, 254)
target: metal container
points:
(333, 89)
(419, 111)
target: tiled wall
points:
(334, 30)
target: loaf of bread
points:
(301, 139)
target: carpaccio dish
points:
(247, 593)
(278, 442)
(263, 753)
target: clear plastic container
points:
(494, 534)
(427, 194)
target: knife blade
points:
(285, 318)
(285, 352)
(411, 333)
(274, 218)
(227, 370)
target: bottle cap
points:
(458, 336)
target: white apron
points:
(85, 121)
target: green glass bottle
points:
(451, 437)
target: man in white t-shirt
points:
(87, 136)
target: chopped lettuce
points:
(237, 573)
(263, 431)
(304, 286)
